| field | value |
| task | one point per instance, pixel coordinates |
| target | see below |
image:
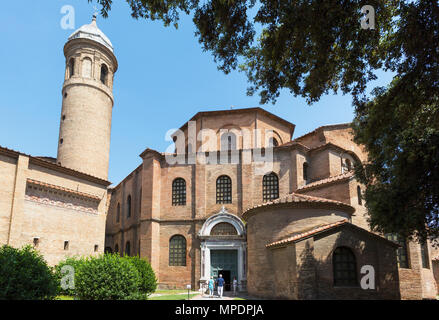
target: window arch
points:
(223, 229)
(177, 251)
(223, 189)
(228, 141)
(128, 248)
(104, 74)
(71, 67)
(273, 142)
(86, 68)
(179, 192)
(360, 201)
(118, 213)
(345, 267)
(305, 171)
(270, 187)
(129, 206)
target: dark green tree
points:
(314, 47)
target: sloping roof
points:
(301, 199)
(327, 127)
(54, 166)
(243, 110)
(92, 32)
(327, 181)
(324, 228)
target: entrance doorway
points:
(224, 262)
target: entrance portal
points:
(224, 262)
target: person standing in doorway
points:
(235, 285)
(220, 282)
(211, 284)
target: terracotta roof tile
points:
(51, 186)
(334, 179)
(302, 235)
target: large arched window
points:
(305, 171)
(179, 192)
(118, 213)
(223, 229)
(177, 251)
(272, 142)
(223, 190)
(129, 206)
(270, 187)
(128, 248)
(345, 267)
(71, 67)
(228, 141)
(104, 74)
(401, 252)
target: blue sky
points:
(164, 78)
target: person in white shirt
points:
(235, 285)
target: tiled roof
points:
(51, 186)
(330, 126)
(302, 235)
(303, 199)
(334, 179)
(54, 166)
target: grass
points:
(237, 298)
(64, 298)
(173, 297)
(170, 291)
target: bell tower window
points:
(104, 74)
(71, 67)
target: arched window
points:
(71, 67)
(345, 267)
(179, 192)
(228, 141)
(223, 229)
(360, 201)
(273, 142)
(223, 190)
(177, 251)
(86, 68)
(127, 248)
(104, 74)
(401, 252)
(116, 248)
(305, 171)
(129, 206)
(270, 187)
(118, 213)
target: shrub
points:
(107, 277)
(76, 263)
(148, 281)
(24, 274)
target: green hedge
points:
(61, 271)
(24, 274)
(148, 281)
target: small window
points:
(96, 248)
(223, 229)
(425, 256)
(305, 171)
(104, 74)
(270, 187)
(66, 245)
(71, 67)
(61, 141)
(273, 142)
(36, 242)
(63, 117)
(345, 267)
(177, 251)
(118, 213)
(179, 192)
(129, 206)
(401, 252)
(223, 190)
(360, 201)
(128, 248)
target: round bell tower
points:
(87, 93)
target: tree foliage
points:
(315, 47)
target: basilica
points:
(238, 195)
